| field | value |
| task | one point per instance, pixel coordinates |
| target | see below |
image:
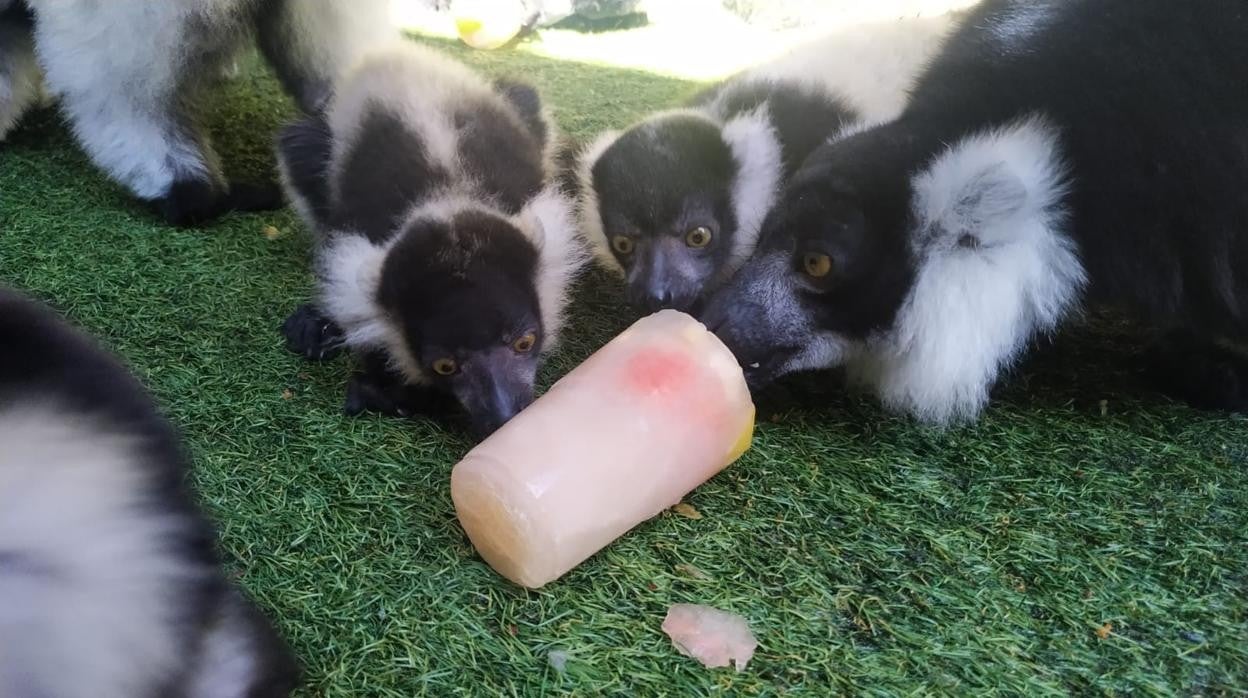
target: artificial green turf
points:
(871, 555)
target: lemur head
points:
(924, 284)
(673, 204)
(462, 294)
(465, 299)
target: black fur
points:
(305, 147)
(505, 161)
(1153, 135)
(191, 202)
(313, 335)
(388, 168)
(466, 290)
(376, 387)
(671, 174)
(478, 266)
(654, 186)
(45, 362)
(276, 40)
(527, 102)
(17, 13)
(1204, 373)
(386, 171)
(194, 202)
(804, 117)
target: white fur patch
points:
(995, 269)
(549, 221)
(20, 78)
(349, 269)
(123, 70)
(872, 66)
(588, 209)
(757, 152)
(227, 661)
(86, 610)
(117, 69)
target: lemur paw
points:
(193, 202)
(364, 395)
(312, 335)
(245, 196)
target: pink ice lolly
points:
(656, 412)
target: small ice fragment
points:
(558, 660)
(710, 636)
(687, 510)
(691, 571)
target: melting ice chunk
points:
(709, 635)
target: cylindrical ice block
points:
(656, 412)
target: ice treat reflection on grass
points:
(656, 412)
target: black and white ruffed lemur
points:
(110, 583)
(445, 244)
(1055, 155)
(673, 204)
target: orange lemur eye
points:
(622, 244)
(816, 265)
(445, 367)
(699, 237)
(525, 344)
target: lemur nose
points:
(660, 299)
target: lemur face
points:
(462, 296)
(825, 276)
(924, 268)
(664, 191)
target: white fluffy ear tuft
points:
(995, 268)
(588, 210)
(757, 152)
(984, 189)
(349, 269)
(986, 206)
(549, 221)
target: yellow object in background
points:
(488, 24)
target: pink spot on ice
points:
(656, 371)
